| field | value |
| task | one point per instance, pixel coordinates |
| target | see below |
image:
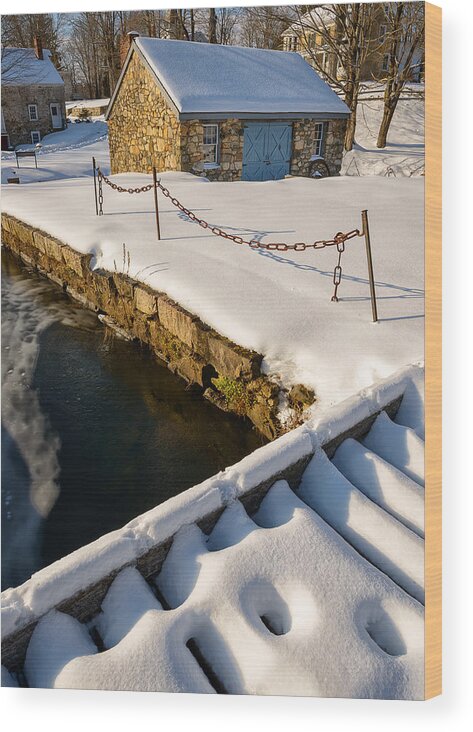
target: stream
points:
(94, 429)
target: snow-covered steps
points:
(280, 609)
(374, 533)
(295, 571)
(384, 484)
(398, 445)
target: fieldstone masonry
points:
(303, 136)
(144, 131)
(229, 375)
(15, 101)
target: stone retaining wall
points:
(228, 375)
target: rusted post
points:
(156, 208)
(95, 188)
(366, 234)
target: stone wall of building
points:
(230, 155)
(15, 101)
(303, 144)
(143, 130)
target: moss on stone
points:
(236, 396)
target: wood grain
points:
(433, 351)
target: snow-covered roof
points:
(20, 66)
(204, 79)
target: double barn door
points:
(266, 150)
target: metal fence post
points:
(366, 234)
(95, 188)
(156, 208)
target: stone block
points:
(53, 248)
(39, 238)
(231, 360)
(183, 325)
(7, 222)
(145, 300)
(23, 232)
(79, 263)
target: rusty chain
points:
(338, 240)
(301, 246)
(118, 188)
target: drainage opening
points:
(206, 667)
(208, 373)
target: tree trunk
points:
(212, 26)
(350, 131)
(192, 25)
(351, 100)
(388, 113)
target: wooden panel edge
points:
(433, 351)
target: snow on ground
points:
(86, 103)
(64, 154)
(276, 303)
(404, 154)
(280, 602)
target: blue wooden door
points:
(266, 150)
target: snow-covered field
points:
(276, 303)
(318, 593)
(64, 154)
(404, 154)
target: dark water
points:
(94, 430)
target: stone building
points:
(33, 102)
(227, 112)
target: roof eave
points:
(183, 116)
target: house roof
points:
(212, 81)
(20, 67)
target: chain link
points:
(338, 240)
(100, 196)
(118, 188)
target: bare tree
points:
(344, 34)
(404, 42)
(227, 19)
(262, 27)
(16, 63)
(20, 30)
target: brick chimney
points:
(38, 47)
(125, 43)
